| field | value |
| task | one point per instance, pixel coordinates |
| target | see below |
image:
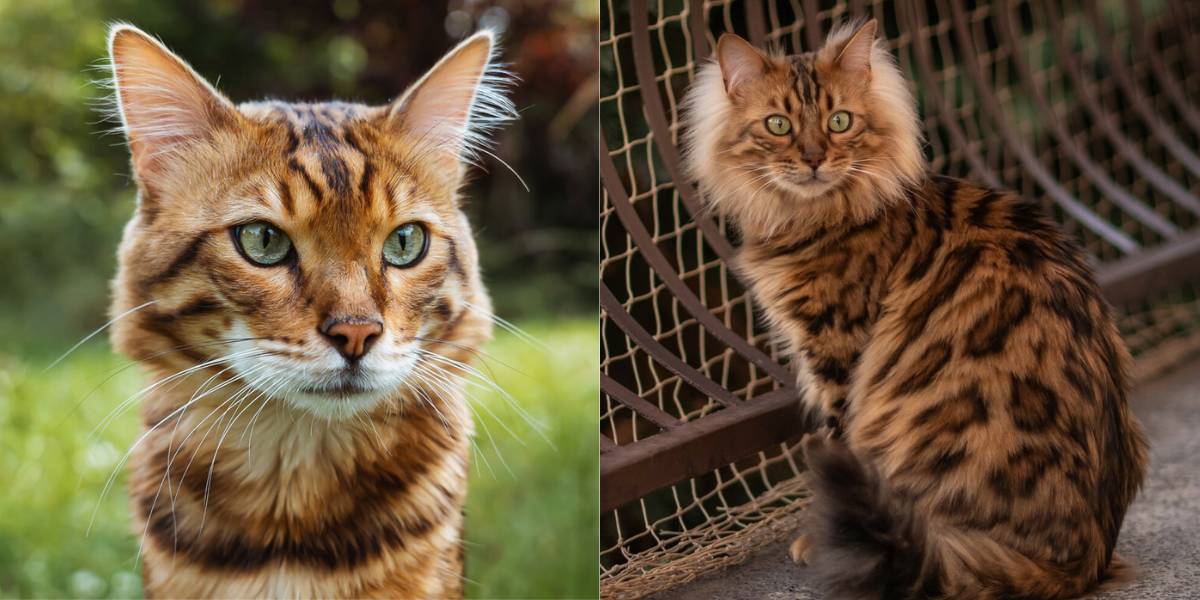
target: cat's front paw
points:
(800, 550)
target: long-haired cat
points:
(952, 337)
(303, 286)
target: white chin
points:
(807, 190)
(338, 406)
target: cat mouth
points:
(346, 385)
(809, 185)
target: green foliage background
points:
(65, 193)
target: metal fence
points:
(1084, 105)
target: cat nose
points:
(813, 159)
(352, 337)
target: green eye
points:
(406, 245)
(778, 124)
(262, 243)
(839, 121)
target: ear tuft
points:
(855, 55)
(164, 105)
(459, 103)
(740, 61)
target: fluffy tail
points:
(868, 543)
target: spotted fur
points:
(952, 337)
(271, 464)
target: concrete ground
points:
(1161, 533)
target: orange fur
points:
(952, 337)
(274, 464)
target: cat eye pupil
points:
(261, 243)
(839, 121)
(406, 245)
(778, 124)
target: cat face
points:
(830, 133)
(311, 252)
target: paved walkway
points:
(1161, 533)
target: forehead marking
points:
(320, 135)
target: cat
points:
(977, 441)
(302, 284)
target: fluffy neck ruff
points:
(766, 212)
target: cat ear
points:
(740, 61)
(164, 106)
(855, 56)
(456, 105)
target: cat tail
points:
(868, 543)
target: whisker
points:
(508, 326)
(94, 333)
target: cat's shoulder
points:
(965, 205)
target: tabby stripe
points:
(816, 323)
(802, 244)
(364, 182)
(180, 262)
(925, 258)
(336, 172)
(926, 369)
(833, 370)
(982, 210)
(453, 262)
(956, 267)
(946, 460)
(296, 167)
(990, 332)
(1026, 254)
(341, 544)
(368, 170)
(1032, 404)
(1074, 372)
(285, 197)
(199, 306)
(949, 189)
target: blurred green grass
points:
(532, 515)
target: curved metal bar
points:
(812, 29)
(661, 355)
(991, 108)
(643, 408)
(1133, 278)
(1170, 86)
(1117, 194)
(699, 31)
(945, 112)
(1137, 100)
(1103, 118)
(631, 471)
(756, 23)
(662, 267)
(643, 63)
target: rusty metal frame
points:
(685, 449)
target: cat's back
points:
(995, 380)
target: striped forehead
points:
(334, 174)
(807, 92)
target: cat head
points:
(314, 252)
(817, 137)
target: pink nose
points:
(352, 337)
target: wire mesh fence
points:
(1084, 105)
